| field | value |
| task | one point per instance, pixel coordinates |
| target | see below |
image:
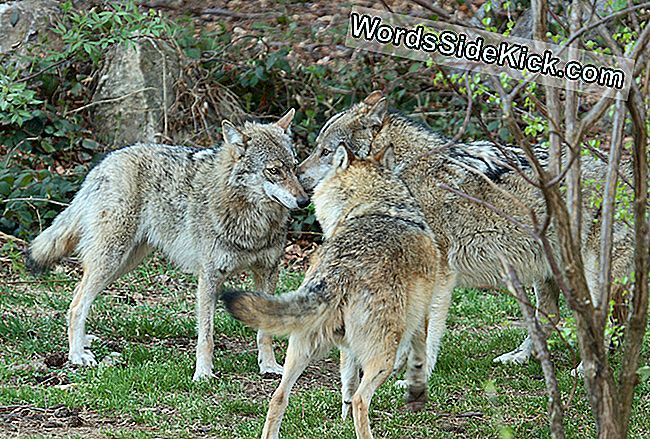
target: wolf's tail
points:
(57, 241)
(279, 315)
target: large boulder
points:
(135, 90)
(21, 21)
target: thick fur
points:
(212, 212)
(474, 240)
(368, 292)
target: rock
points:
(112, 359)
(134, 91)
(21, 21)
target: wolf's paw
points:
(517, 356)
(271, 370)
(84, 358)
(401, 384)
(416, 398)
(202, 375)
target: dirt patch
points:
(56, 421)
(323, 373)
(55, 359)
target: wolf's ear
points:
(342, 158)
(376, 113)
(285, 120)
(386, 157)
(373, 97)
(231, 134)
(234, 137)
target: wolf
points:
(368, 292)
(473, 240)
(213, 212)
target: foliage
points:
(16, 100)
(47, 149)
(268, 68)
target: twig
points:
(610, 17)
(244, 15)
(537, 334)
(457, 136)
(40, 72)
(489, 206)
(12, 238)
(46, 200)
(108, 101)
(164, 86)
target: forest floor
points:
(143, 388)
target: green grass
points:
(148, 317)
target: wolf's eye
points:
(273, 171)
(326, 152)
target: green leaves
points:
(644, 373)
(17, 102)
(88, 33)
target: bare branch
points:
(29, 199)
(538, 336)
(488, 206)
(573, 194)
(638, 317)
(608, 207)
(610, 17)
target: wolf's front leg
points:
(206, 298)
(266, 279)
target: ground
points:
(143, 389)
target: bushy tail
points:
(57, 241)
(279, 315)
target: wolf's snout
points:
(302, 202)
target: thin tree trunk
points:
(538, 335)
(608, 208)
(638, 318)
(599, 380)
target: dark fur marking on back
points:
(410, 222)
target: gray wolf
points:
(368, 292)
(212, 212)
(473, 240)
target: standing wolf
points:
(473, 240)
(213, 212)
(368, 292)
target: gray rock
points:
(134, 92)
(21, 21)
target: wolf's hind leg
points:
(92, 283)
(437, 323)
(266, 279)
(349, 380)
(299, 353)
(416, 371)
(375, 372)
(99, 271)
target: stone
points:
(22, 21)
(134, 93)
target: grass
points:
(148, 318)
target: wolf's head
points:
(354, 128)
(265, 162)
(352, 182)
